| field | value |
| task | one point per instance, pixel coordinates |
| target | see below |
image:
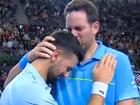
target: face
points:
(77, 23)
(61, 67)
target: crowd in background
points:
(120, 26)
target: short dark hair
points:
(67, 41)
(85, 5)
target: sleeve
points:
(23, 61)
(125, 85)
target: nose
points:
(74, 32)
(66, 74)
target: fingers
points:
(95, 70)
(103, 60)
(47, 42)
(104, 70)
(48, 45)
(48, 38)
(109, 60)
(43, 55)
(114, 65)
(45, 50)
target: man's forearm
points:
(17, 69)
(96, 100)
(12, 74)
(127, 102)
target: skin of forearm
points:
(127, 102)
(96, 100)
(12, 74)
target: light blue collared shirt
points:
(28, 88)
(76, 90)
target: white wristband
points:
(99, 88)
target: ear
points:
(95, 27)
(56, 56)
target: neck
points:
(41, 66)
(90, 51)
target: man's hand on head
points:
(43, 49)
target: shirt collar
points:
(100, 51)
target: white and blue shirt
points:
(28, 88)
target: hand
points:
(104, 71)
(43, 49)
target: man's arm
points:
(96, 100)
(43, 49)
(127, 102)
(103, 74)
(13, 72)
(126, 88)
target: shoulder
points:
(123, 62)
(118, 54)
(104, 49)
(27, 92)
(123, 67)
